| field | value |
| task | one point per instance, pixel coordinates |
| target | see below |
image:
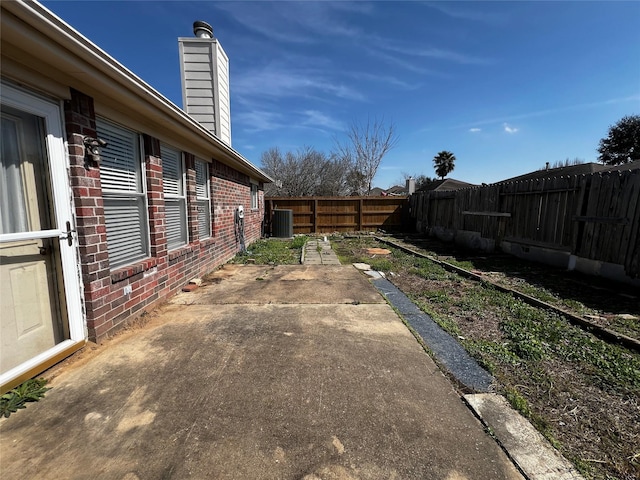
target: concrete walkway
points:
(287, 372)
(319, 252)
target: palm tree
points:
(444, 163)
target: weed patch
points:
(581, 393)
(30, 391)
(273, 251)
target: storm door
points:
(39, 286)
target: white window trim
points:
(181, 198)
(255, 195)
(141, 194)
(201, 199)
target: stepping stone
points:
(362, 266)
(378, 251)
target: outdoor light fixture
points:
(92, 147)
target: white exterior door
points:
(40, 301)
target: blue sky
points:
(505, 86)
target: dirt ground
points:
(605, 303)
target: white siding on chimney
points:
(205, 85)
(224, 110)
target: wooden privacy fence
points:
(595, 217)
(340, 214)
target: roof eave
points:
(47, 23)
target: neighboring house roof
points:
(624, 167)
(580, 169)
(446, 184)
(36, 40)
(397, 190)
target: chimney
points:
(204, 70)
(411, 185)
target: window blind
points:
(202, 179)
(120, 159)
(172, 177)
(125, 205)
(203, 199)
(126, 229)
(175, 204)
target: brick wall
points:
(152, 280)
(229, 189)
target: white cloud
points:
(410, 65)
(277, 81)
(474, 130)
(479, 15)
(385, 79)
(509, 129)
(319, 119)
(553, 111)
(431, 52)
(294, 22)
(259, 121)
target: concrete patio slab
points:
(295, 284)
(256, 391)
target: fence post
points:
(315, 215)
(502, 221)
(582, 203)
(360, 214)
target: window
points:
(254, 196)
(125, 203)
(175, 200)
(203, 199)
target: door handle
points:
(68, 234)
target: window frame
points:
(203, 200)
(255, 197)
(116, 199)
(179, 198)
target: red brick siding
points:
(155, 199)
(154, 279)
(192, 205)
(229, 189)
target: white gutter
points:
(50, 25)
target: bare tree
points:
(334, 178)
(296, 174)
(273, 164)
(355, 179)
(349, 170)
(304, 167)
(563, 163)
(365, 147)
